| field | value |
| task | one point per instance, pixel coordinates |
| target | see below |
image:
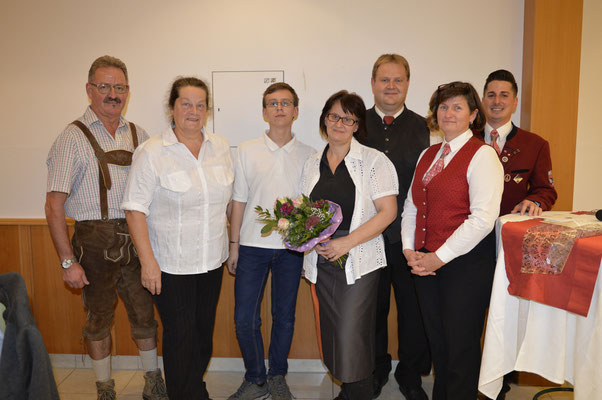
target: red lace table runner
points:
(553, 264)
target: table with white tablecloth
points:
(525, 335)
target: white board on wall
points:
(237, 103)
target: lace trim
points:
(546, 247)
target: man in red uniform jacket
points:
(525, 156)
(528, 182)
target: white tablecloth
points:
(524, 335)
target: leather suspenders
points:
(122, 158)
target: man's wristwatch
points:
(68, 263)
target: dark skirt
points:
(347, 321)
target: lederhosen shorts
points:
(107, 255)
(105, 251)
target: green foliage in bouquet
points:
(297, 220)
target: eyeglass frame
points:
(275, 103)
(111, 87)
(339, 118)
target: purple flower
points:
(286, 208)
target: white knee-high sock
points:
(149, 360)
(102, 369)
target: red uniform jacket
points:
(527, 170)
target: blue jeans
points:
(254, 264)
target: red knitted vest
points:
(444, 203)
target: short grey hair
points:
(107, 61)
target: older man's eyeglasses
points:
(104, 88)
(283, 103)
(332, 117)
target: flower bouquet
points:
(302, 223)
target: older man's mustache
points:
(116, 100)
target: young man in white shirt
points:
(266, 168)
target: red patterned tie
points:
(388, 119)
(437, 167)
(494, 136)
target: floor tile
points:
(78, 384)
(311, 385)
(77, 396)
(134, 386)
(60, 374)
(83, 381)
(223, 384)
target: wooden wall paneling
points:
(392, 327)
(550, 94)
(58, 310)
(528, 56)
(224, 334)
(60, 314)
(305, 339)
(266, 315)
(26, 260)
(551, 66)
(15, 254)
(10, 251)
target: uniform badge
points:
(550, 178)
(504, 159)
(518, 178)
(507, 178)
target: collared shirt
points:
(381, 114)
(484, 168)
(374, 176)
(264, 172)
(73, 167)
(184, 199)
(503, 132)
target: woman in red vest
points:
(448, 239)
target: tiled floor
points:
(78, 384)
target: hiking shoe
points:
(251, 391)
(278, 388)
(154, 386)
(106, 390)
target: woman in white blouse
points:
(176, 197)
(447, 236)
(364, 183)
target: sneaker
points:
(106, 390)
(278, 388)
(154, 386)
(250, 391)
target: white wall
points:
(322, 45)
(587, 194)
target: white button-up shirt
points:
(374, 176)
(264, 172)
(184, 199)
(503, 132)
